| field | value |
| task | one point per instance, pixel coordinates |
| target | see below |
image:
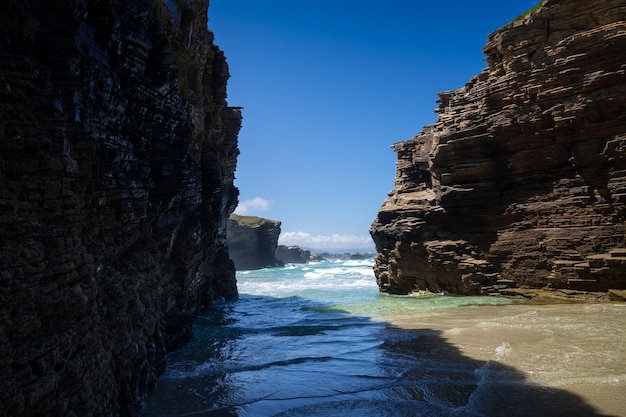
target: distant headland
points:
(253, 244)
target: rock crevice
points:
(521, 180)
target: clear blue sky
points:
(327, 86)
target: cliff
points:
(521, 181)
(117, 159)
(252, 242)
(293, 254)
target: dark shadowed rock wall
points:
(522, 179)
(252, 242)
(117, 159)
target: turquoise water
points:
(320, 340)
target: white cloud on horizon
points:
(326, 242)
(255, 204)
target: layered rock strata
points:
(117, 159)
(521, 181)
(252, 242)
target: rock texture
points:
(252, 242)
(117, 159)
(522, 179)
(293, 254)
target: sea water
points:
(318, 339)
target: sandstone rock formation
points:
(293, 254)
(252, 242)
(117, 159)
(521, 181)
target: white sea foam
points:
(359, 262)
(339, 272)
(502, 350)
(322, 281)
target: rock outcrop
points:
(521, 181)
(117, 159)
(252, 242)
(293, 254)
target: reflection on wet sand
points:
(263, 356)
(579, 349)
(442, 375)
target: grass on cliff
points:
(529, 11)
(252, 221)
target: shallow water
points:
(319, 340)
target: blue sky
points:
(327, 86)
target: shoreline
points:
(570, 344)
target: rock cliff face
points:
(252, 242)
(117, 159)
(522, 179)
(293, 254)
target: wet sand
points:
(575, 348)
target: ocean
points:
(318, 339)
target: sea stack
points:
(293, 254)
(521, 181)
(117, 159)
(252, 242)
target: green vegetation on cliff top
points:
(529, 11)
(252, 221)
